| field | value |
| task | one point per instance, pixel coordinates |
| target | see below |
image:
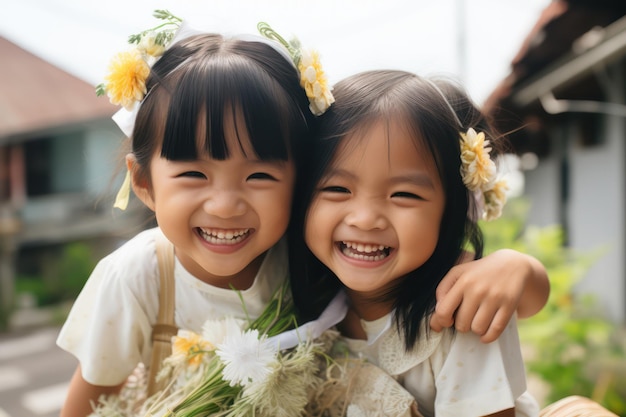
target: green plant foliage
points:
(74, 268)
(572, 346)
(43, 292)
(64, 278)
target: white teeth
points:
(221, 237)
(365, 248)
(366, 252)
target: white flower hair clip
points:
(480, 175)
(312, 76)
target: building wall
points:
(542, 190)
(595, 211)
(68, 163)
(104, 155)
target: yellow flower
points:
(149, 45)
(494, 200)
(191, 346)
(126, 81)
(477, 168)
(313, 80)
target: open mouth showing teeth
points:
(364, 252)
(223, 237)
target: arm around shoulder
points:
(482, 295)
(536, 290)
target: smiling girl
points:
(215, 145)
(397, 181)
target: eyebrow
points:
(252, 160)
(419, 178)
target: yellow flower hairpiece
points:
(125, 83)
(479, 174)
(312, 76)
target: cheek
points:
(276, 209)
(430, 235)
(318, 227)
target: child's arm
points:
(482, 295)
(81, 394)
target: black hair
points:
(199, 80)
(360, 101)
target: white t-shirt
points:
(110, 325)
(452, 374)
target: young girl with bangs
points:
(396, 181)
(216, 145)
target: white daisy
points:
(247, 358)
(216, 331)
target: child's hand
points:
(481, 296)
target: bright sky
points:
(470, 40)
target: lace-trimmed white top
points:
(452, 374)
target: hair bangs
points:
(207, 93)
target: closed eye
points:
(335, 189)
(192, 174)
(404, 194)
(261, 176)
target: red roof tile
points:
(36, 96)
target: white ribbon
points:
(332, 314)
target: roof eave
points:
(574, 66)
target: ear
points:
(140, 182)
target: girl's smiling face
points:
(221, 215)
(377, 211)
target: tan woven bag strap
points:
(165, 326)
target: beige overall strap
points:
(165, 326)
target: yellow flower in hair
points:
(477, 168)
(312, 76)
(494, 200)
(313, 80)
(150, 46)
(126, 82)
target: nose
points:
(366, 216)
(225, 204)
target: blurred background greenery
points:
(570, 346)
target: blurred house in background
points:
(58, 153)
(565, 103)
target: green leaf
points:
(101, 90)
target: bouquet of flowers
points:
(235, 368)
(264, 367)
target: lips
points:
(224, 236)
(364, 251)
